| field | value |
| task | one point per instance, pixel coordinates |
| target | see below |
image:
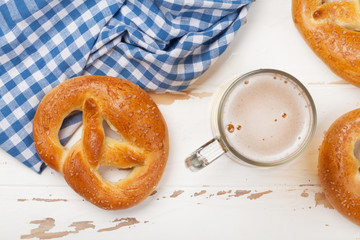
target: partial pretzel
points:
(339, 168)
(330, 27)
(130, 112)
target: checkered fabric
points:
(158, 44)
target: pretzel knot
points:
(130, 112)
(330, 27)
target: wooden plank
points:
(225, 200)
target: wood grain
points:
(287, 201)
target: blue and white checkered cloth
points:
(158, 44)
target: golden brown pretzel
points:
(338, 168)
(330, 29)
(130, 112)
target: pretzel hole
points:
(357, 149)
(113, 174)
(329, 1)
(69, 128)
(72, 126)
(109, 132)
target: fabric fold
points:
(159, 45)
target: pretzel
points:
(338, 167)
(130, 112)
(331, 30)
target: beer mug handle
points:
(205, 155)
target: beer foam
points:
(266, 117)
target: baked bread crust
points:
(338, 167)
(130, 112)
(331, 28)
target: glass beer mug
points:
(264, 118)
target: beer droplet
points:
(230, 128)
(284, 115)
(238, 127)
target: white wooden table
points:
(224, 201)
